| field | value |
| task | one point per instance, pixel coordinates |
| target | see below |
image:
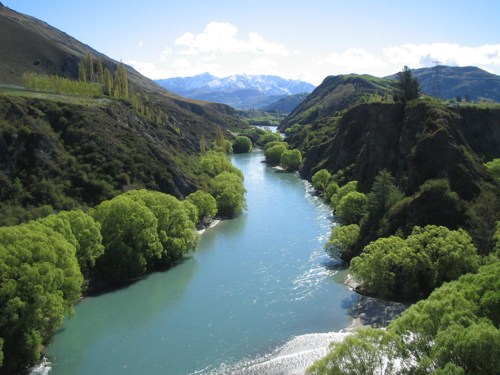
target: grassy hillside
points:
(65, 151)
(337, 93)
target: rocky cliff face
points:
(416, 143)
(435, 153)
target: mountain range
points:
(239, 91)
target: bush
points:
(227, 189)
(343, 191)
(330, 191)
(206, 204)
(352, 207)
(242, 145)
(408, 269)
(291, 160)
(273, 154)
(342, 239)
(321, 179)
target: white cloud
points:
(181, 63)
(420, 55)
(148, 69)
(353, 59)
(223, 37)
(163, 55)
(141, 43)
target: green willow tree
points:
(40, 281)
(321, 179)
(130, 236)
(108, 82)
(228, 190)
(291, 160)
(205, 203)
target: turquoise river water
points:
(259, 295)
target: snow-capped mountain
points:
(240, 90)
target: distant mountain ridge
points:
(458, 81)
(239, 91)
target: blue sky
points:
(308, 39)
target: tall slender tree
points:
(407, 86)
(89, 67)
(82, 76)
(121, 82)
(108, 82)
(100, 71)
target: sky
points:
(307, 39)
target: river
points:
(256, 297)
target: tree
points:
(242, 144)
(203, 144)
(382, 196)
(321, 179)
(273, 154)
(130, 236)
(40, 281)
(413, 268)
(227, 189)
(352, 207)
(121, 82)
(493, 167)
(100, 71)
(342, 239)
(206, 204)
(343, 191)
(176, 231)
(87, 233)
(108, 82)
(368, 351)
(407, 86)
(291, 160)
(82, 75)
(89, 67)
(330, 191)
(220, 142)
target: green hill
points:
(434, 152)
(60, 152)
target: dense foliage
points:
(242, 144)
(351, 207)
(205, 204)
(342, 239)
(228, 190)
(407, 86)
(291, 160)
(411, 268)
(39, 282)
(321, 179)
(454, 331)
(41, 262)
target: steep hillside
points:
(336, 93)
(454, 81)
(286, 104)
(434, 152)
(60, 152)
(240, 91)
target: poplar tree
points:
(100, 71)
(108, 82)
(121, 82)
(82, 76)
(89, 67)
(220, 143)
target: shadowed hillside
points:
(61, 152)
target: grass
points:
(8, 90)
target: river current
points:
(259, 296)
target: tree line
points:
(46, 264)
(93, 81)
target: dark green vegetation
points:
(454, 331)
(419, 198)
(261, 118)
(47, 263)
(242, 144)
